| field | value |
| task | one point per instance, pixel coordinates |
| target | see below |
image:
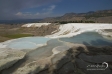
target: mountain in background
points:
(102, 16)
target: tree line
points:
(65, 22)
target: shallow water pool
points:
(27, 42)
(45, 51)
(89, 38)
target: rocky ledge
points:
(81, 60)
(8, 57)
(78, 59)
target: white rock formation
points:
(35, 24)
(8, 57)
(30, 68)
(72, 29)
(59, 49)
(105, 33)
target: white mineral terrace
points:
(11, 50)
(65, 30)
(35, 24)
(72, 29)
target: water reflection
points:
(89, 38)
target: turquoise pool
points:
(27, 42)
(89, 38)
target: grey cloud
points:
(8, 8)
(47, 12)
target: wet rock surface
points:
(77, 59)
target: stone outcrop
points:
(8, 57)
(74, 60)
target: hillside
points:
(102, 16)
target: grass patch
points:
(12, 36)
(2, 39)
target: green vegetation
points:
(65, 22)
(12, 36)
(96, 15)
(89, 22)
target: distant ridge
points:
(101, 16)
(19, 21)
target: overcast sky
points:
(36, 9)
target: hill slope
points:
(102, 16)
